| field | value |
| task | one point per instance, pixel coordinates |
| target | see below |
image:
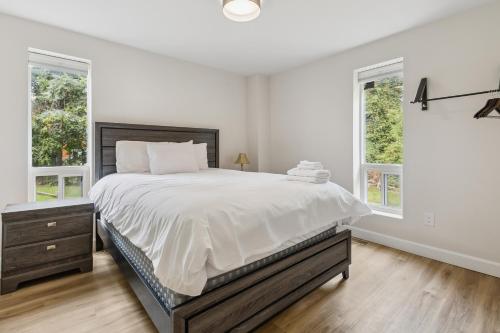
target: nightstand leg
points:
(87, 267)
(345, 274)
(8, 286)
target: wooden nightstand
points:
(40, 239)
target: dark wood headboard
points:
(106, 135)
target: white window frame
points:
(60, 60)
(361, 167)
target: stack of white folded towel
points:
(310, 172)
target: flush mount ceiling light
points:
(241, 10)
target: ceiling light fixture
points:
(241, 10)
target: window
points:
(58, 126)
(379, 134)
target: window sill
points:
(385, 214)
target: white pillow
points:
(201, 155)
(171, 157)
(132, 157)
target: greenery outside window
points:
(379, 90)
(59, 126)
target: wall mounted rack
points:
(422, 98)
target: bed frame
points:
(242, 304)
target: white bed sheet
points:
(193, 226)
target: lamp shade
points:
(242, 159)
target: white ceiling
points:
(288, 33)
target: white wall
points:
(128, 85)
(258, 123)
(452, 161)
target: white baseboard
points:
(450, 257)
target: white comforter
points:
(188, 224)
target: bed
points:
(223, 296)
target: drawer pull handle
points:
(51, 247)
(51, 224)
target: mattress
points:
(195, 226)
(169, 299)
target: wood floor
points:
(388, 291)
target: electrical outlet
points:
(429, 220)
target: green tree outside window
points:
(384, 122)
(58, 118)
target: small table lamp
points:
(242, 160)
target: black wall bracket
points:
(421, 96)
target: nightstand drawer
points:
(26, 232)
(24, 256)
